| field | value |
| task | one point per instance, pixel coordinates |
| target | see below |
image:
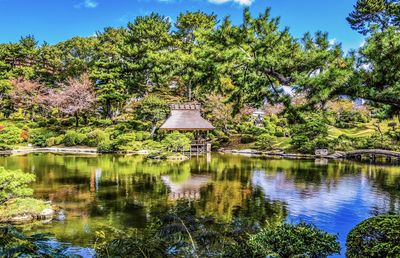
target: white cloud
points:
(332, 42)
(87, 4)
(241, 2)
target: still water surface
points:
(124, 191)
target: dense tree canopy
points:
(248, 64)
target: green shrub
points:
(265, 141)
(94, 137)
(251, 129)
(59, 139)
(68, 122)
(219, 136)
(103, 122)
(122, 142)
(310, 135)
(176, 141)
(105, 147)
(10, 135)
(39, 137)
(139, 125)
(142, 136)
(41, 122)
(73, 138)
(247, 138)
(344, 143)
(50, 142)
(152, 145)
(52, 121)
(279, 132)
(301, 240)
(349, 119)
(380, 141)
(15, 183)
(4, 147)
(375, 237)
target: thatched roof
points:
(186, 117)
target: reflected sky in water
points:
(124, 192)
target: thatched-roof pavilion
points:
(186, 117)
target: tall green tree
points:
(187, 55)
(152, 109)
(148, 43)
(371, 15)
(108, 70)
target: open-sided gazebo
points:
(187, 117)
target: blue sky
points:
(57, 20)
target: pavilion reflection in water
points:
(189, 189)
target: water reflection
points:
(122, 191)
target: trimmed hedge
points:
(375, 237)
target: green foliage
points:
(152, 109)
(126, 142)
(14, 243)
(247, 138)
(15, 183)
(179, 233)
(301, 240)
(310, 135)
(375, 237)
(73, 138)
(250, 129)
(371, 15)
(105, 147)
(10, 135)
(380, 141)
(93, 138)
(265, 141)
(142, 136)
(4, 147)
(22, 206)
(152, 145)
(176, 141)
(349, 119)
(40, 136)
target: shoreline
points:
(93, 151)
(66, 150)
(246, 152)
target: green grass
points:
(283, 143)
(362, 130)
(21, 206)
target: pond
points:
(98, 192)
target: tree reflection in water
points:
(125, 191)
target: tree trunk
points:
(85, 119)
(189, 89)
(76, 120)
(31, 115)
(108, 109)
(153, 130)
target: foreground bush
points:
(375, 237)
(301, 240)
(13, 243)
(182, 234)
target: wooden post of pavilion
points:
(187, 117)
